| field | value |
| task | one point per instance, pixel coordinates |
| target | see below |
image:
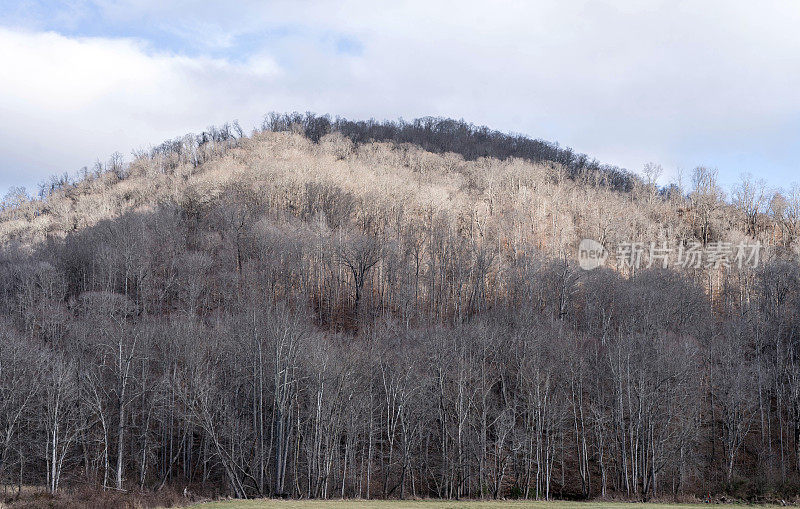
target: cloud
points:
(681, 83)
(69, 101)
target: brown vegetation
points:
(303, 312)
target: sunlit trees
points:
(750, 196)
(706, 198)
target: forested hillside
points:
(361, 309)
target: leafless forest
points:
(385, 310)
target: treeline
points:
(439, 135)
(285, 317)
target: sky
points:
(679, 83)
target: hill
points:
(361, 309)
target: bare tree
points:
(750, 196)
(706, 197)
(359, 253)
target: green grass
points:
(430, 504)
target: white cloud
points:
(681, 83)
(69, 101)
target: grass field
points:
(430, 504)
